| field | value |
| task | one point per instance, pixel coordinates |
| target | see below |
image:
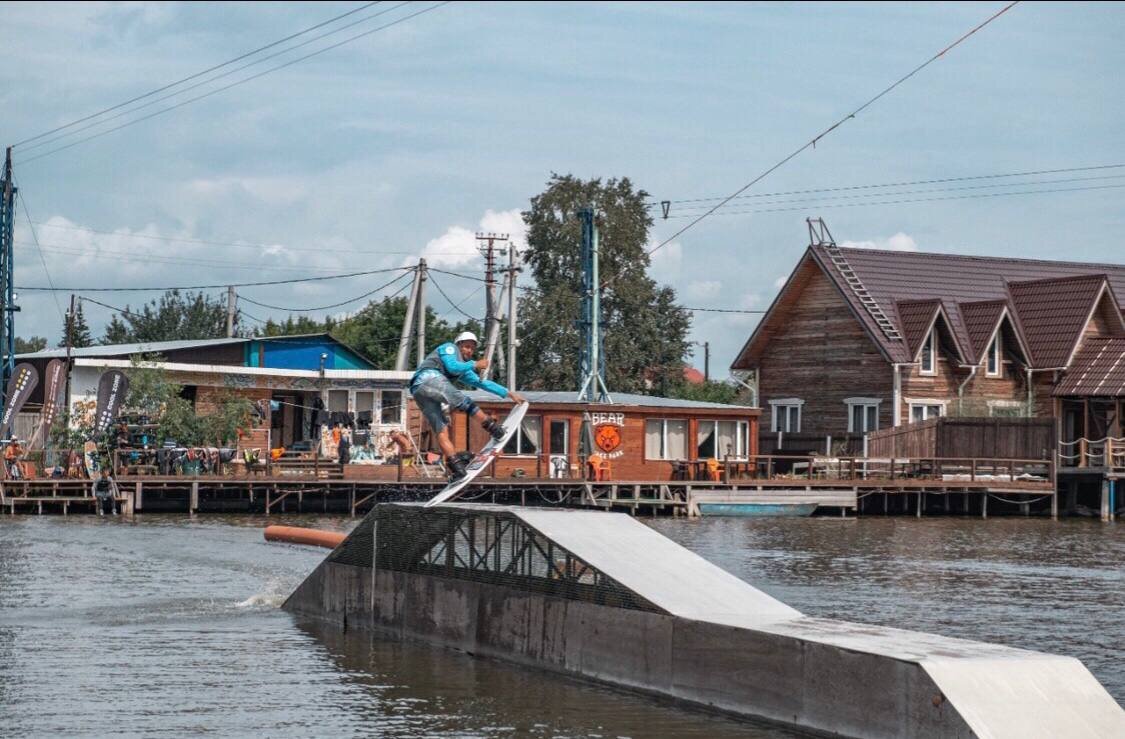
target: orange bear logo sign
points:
(608, 438)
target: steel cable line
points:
(170, 85)
(210, 287)
(289, 63)
(217, 77)
(462, 275)
(909, 183)
(43, 259)
(975, 196)
(896, 193)
(456, 306)
(813, 141)
(323, 307)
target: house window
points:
(526, 441)
(786, 415)
(337, 401)
(1005, 408)
(926, 411)
(863, 415)
(993, 368)
(390, 406)
(928, 358)
(665, 439)
(722, 439)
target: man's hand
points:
(515, 397)
(481, 365)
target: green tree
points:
(711, 392)
(375, 330)
(78, 328)
(173, 316)
(645, 329)
(302, 325)
(27, 346)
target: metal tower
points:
(7, 284)
(592, 363)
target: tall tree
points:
(173, 316)
(79, 330)
(27, 346)
(375, 330)
(645, 329)
(302, 325)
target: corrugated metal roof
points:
(980, 319)
(914, 318)
(147, 347)
(571, 398)
(1098, 369)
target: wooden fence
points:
(1020, 438)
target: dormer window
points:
(927, 365)
(994, 366)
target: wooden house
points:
(862, 339)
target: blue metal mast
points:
(7, 279)
(592, 361)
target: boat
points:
(756, 510)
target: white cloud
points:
(780, 281)
(666, 262)
(898, 242)
(703, 289)
(458, 246)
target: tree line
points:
(644, 326)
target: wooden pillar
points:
(1107, 515)
(918, 508)
(139, 496)
(1055, 505)
(984, 505)
(193, 502)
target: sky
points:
(405, 142)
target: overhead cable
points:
(210, 287)
(323, 307)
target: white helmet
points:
(466, 336)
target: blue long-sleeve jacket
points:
(446, 360)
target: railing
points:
(1082, 452)
(969, 469)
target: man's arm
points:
(453, 365)
(472, 379)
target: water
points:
(170, 626)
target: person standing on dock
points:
(432, 385)
(105, 493)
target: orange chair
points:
(714, 470)
(598, 467)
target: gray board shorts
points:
(431, 393)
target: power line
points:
(975, 196)
(911, 183)
(209, 287)
(812, 142)
(324, 307)
(43, 259)
(457, 306)
(194, 76)
(215, 78)
(722, 310)
(243, 81)
(462, 275)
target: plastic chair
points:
(599, 467)
(714, 471)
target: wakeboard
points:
(482, 458)
(90, 456)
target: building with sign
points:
(638, 437)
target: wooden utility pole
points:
(513, 342)
(421, 310)
(408, 323)
(69, 334)
(492, 305)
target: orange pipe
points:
(311, 537)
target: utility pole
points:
(69, 334)
(707, 361)
(421, 310)
(513, 342)
(592, 362)
(408, 323)
(230, 311)
(492, 304)
(7, 289)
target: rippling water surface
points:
(170, 626)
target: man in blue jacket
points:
(432, 385)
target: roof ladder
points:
(820, 236)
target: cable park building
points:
(917, 354)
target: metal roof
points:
(1098, 369)
(145, 347)
(624, 399)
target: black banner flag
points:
(112, 387)
(23, 381)
(55, 382)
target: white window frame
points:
(925, 403)
(518, 439)
(930, 342)
(741, 436)
(866, 403)
(378, 410)
(994, 353)
(787, 403)
(664, 439)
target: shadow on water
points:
(438, 691)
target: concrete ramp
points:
(601, 596)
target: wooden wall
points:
(821, 354)
(1014, 438)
